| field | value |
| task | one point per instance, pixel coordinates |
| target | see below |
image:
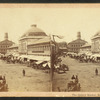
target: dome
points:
(34, 31)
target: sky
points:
(65, 21)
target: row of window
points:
(85, 50)
(76, 45)
(34, 48)
(73, 49)
(3, 50)
(42, 54)
(3, 46)
(62, 45)
(41, 48)
(13, 50)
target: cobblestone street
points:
(34, 81)
(86, 73)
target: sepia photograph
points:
(50, 48)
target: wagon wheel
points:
(78, 87)
(69, 87)
(6, 87)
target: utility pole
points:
(52, 61)
(53, 54)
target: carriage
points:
(3, 85)
(74, 86)
(61, 68)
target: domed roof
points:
(34, 31)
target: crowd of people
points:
(59, 67)
(44, 65)
(11, 59)
(82, 57)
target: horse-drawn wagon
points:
(3, 85)
(74, 86)
(61, 68)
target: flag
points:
(60, 37)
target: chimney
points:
(34, 25)
(79, 35)
(6, 36)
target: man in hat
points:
(96, 71)
(23, 72)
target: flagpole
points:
(52, 61)
(51, 75)
(53, 50)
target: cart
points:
(3, 85)
(74, 86)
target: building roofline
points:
(77, 40)
(32, 37)
(94, 37)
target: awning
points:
(81, 53)
(23, 56)
(39, 58)
(7, 54)
(46, 64)
(31, 57)
(46, 58)
(49, 64)
(96, 55)
(16, 55)
(89, 54)
(38, 62)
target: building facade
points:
(62, 46)
(13, 49)
(86, 48)
(95, 48)
(40, 47)
(36, 44)
(5, 44)
(30, 37)
(74, 46)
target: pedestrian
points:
(73, 77)
(96, 71)
(76, 79)
(23, 72)
(4, 77)
(76, 76)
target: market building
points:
(5, 44)
(30, 37)
(74, 46)
(13, 49)
(36, 44)
(40, 48)
(95, 43)
(62, 46)
(86, 49)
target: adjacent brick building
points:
(74, 46)
(5, 44)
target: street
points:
(35, 80)
(86, 74)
